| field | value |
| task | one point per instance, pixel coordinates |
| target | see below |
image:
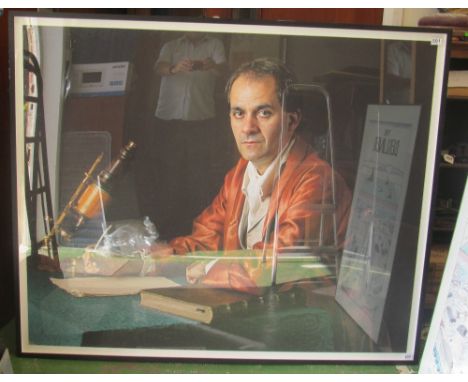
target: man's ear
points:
(294, 119)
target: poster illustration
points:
(376, 211)
(446, 349)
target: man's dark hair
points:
(263, 67)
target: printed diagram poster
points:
(446, 349)
(378, 201)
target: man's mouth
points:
(251, 141)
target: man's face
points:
(257, 120)
(194, 36)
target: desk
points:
(59, 319)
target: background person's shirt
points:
(189, 96)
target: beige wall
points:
(405, 16)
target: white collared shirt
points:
(189, 96)
(257, 189)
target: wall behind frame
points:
(6, 243)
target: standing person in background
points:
(181, 146)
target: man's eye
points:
(264, 113)
(236, 113)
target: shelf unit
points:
(459, 52)
(451, 176)
(462, 166)
(459, 49)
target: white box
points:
(100, 79)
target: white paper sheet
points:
(111, 286)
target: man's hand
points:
(195, 272)
(208, 64)
(182, 66)
(161, 250)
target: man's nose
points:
(250, 125)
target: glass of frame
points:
(215, 190)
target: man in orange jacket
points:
(274, 195)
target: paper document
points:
(111, 286)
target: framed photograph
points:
(222, 190)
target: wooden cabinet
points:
(364, 16)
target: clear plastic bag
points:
(129, 238)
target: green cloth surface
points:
(25, 365)
(59, 319)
